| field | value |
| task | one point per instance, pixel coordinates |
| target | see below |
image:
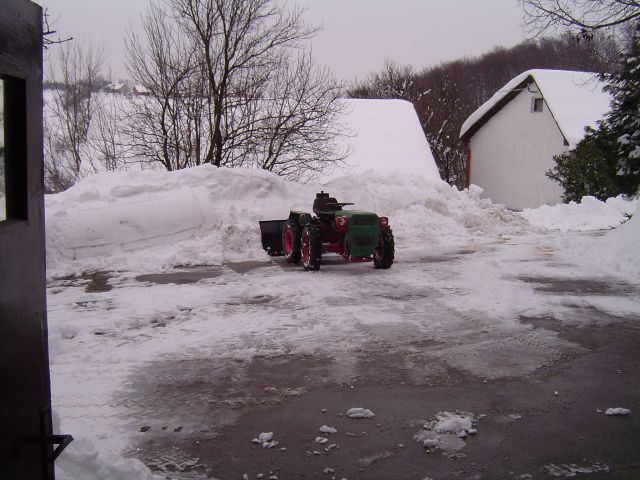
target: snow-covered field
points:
(466, 272)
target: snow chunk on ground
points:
(327, 429)
(265, 440)
(322, 440)
(570, 470)
(358, 412)
(617, 411)
(446, 431)
(453, 423)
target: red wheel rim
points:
(305, 248)
(288, 242)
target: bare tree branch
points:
(582, 17)
(48, 34)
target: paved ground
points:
(548, 423)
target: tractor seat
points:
(324, 206)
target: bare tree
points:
(583, 17)
(70, 111)
(298, 127)
(392, 81)
(166, 124)
(105, 137)
(240, 42)
(223, 88)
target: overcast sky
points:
(356, 38)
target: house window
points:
(13, 149)
(537, 104)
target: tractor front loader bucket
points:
(271, 232)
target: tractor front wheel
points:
(291, 242)
(384, 252)
(311, 248)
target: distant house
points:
(512, 138)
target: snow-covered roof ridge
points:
(384, 135)
(575, 99)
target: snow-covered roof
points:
(575, 99)
(386, 137)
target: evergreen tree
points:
(606, 163)
(590, 169)
(624, 118)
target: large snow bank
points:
(386, 136)
(589, 214)
(616, 252)
(619, 250)
(576, 100)
(205, 215)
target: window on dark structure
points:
(537, 104)
(13, 149)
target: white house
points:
(512, 138)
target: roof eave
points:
(495, 109)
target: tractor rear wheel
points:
(292, 242)
(311, 248)
(385, 251)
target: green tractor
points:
(356, 235)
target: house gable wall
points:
(512, 152)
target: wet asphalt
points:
(548, 424)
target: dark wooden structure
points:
(26, 440)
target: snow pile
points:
(619, 250)
(358, 412)
(81, 460)
(150, 220)
(589, 214)
(386, 136)
(618, 411)
(576, 100)
(616, 252)
(446, 431)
